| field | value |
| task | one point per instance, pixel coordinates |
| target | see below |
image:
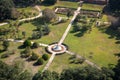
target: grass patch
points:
(61, 62)
(94, 7)
(61, 3)
(98, 43)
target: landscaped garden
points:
(84, 38)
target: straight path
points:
(21, 41)
(69, 26)
(49, 62)
(27, 19)
(62, 39)
(87, 61)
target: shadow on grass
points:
(117, 54)
(38, 22)
(2, 51)
(36, 64)
(21, 47)
(113, 33)
(79, 32)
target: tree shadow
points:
(36, 64)
(38, 22)
(81, 32)
(21, 47)
(117, 54)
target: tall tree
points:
(51, 2)
(6, 9)
(13, 72)
(114, 4)
(48, 15)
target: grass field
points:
(54, 36)
(94, 7)
(61, 62)
(61, 3)
(98, 43)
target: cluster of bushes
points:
(75, 59)
(27, 53)
(41, 60)
(7, 54)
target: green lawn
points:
(94, 7)
(98, 43)
(54, 36)
(61, 62)
(61, 3)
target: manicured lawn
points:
(61, 3)
(61, 62)
(98, 43)
(94, 7)
(54, 36)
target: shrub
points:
(26, 53)
(5, 45)
(45, 57)
(34, 56)
(35, 45)
(80, 60)
(40, 61)
(27, 43)
(5, 55)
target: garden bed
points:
(89, 13)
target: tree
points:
(46, 29)
(26, 53)
(6, 9)
(24, 34)
(108, 73)
(48, 15)
(34, 56)
(117, 71)
(45, 57)
(40, 61)
(5, 45)
(27, 43)
(68, 13)
(114, 5)
(46, 75)
(51, 2)
(35, 45)
(13, 72)
(25, 3)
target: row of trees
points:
(83, 73)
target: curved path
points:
(27, 19)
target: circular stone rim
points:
(50, 48)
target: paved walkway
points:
(49, 62)
(21, 41)
(27, 19)
(69, 26)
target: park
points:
(59, 36)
